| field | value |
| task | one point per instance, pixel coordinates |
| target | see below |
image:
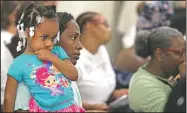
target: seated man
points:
(149, 88)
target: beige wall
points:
(77, 7)
(111, 10)
(127, 16)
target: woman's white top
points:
(96, 76)
(6, 60)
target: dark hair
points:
(158, 38)
(84, 18)
(33, 10)
(7, 8)
(14, 41)
(178, 20)
(23, 6)
(141, 38)
(13, 45)
(63, 18)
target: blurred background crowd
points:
(109, 56)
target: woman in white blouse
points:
(97, 80)
(8, 30)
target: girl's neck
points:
(25, 52)
(90, 43)
(28, 50)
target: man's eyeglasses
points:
(179, 52)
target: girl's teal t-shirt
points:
(49, 87)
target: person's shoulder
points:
(102, 48)
(142, 77)
(18, 66)
(84, 59)
(60, 52)
(19, 58)
(84, 54)
(18, 61)
(57, 48)
(142, 73)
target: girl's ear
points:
(27, 32)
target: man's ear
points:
(159, 54)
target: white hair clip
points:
(22, 25)
(21, 31)
(24, 41)
(19, 46)
(31, 33)
(18, 27)
(57, 39)
(39, 19)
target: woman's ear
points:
(88, 25)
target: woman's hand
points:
(95, 111)
(119, 92)
(101, 107)
(95, 107)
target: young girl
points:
(43, 67)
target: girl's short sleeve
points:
(15, 70)
(60, 52)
